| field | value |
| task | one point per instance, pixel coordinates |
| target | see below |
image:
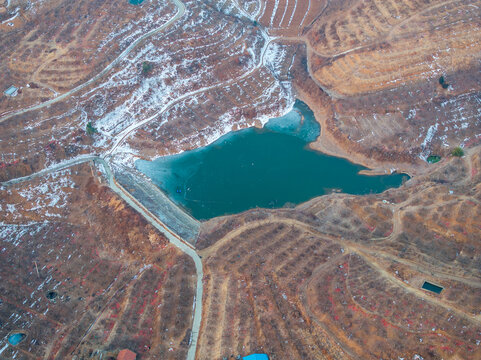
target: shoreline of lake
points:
(265, 167)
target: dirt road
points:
(180, 12)
(154, 221)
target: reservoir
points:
(270, 168)
(431, 287)
(16, 338)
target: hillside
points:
(89, 268)
(340, 276)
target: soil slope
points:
(340, 276)
(116, 281)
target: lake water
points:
(136, 2)
(431, 287)
(16, 338)
(267, 168)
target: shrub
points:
(90, 129)
(146, 67)
(443, 82)
(458, 151)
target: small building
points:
(256, 357)
(126, 355)
(11, 91)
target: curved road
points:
(154, 221)
(118, 189)
(128, 130)
(180, 12)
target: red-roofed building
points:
(126, 355)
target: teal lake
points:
(431, 287)
(16, 338)
(270, 168)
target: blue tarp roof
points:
(256, 357)
(11, 90)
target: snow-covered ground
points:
(127, 96)
(184, 63)
(44, 198)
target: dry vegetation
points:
(337, 277)
(379, 62)
(55, 45)
(369, 69)
(195, 121)
(118, 282)
(340, 276)
(214, 54)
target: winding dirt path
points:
(180, 12)
(124, 134)
(368, 254)
(176, 240)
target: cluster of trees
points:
(90, 129)
(458, 151)
(443, 82)
(146, 67)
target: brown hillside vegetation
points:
(381, 64)
(55, 45)
(340, 276)
(206, 48)
(370, 70)
(376, 67)
(117, 282)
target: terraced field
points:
(54, 46)
(340, 276)
(372, 47)
(86, 276)
(391, 82)
(284, 17)
(209, 72)
(380, 64)
(370, 70)
(202, 118)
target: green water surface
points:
(268, 168)
(431, 287)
